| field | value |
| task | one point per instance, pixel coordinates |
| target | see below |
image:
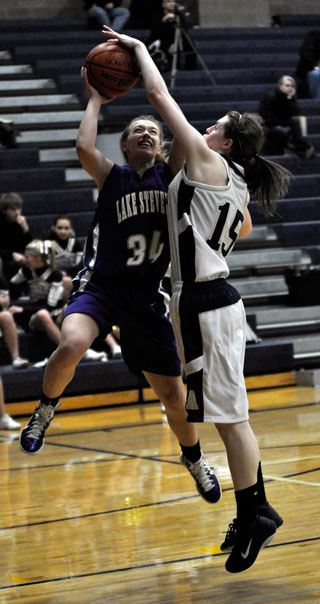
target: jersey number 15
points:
(233, 233)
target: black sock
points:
(261, 492)
(192, 453)
(247, 504)
(44, 400)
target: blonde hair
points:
(43, 248)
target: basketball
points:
(112, 69)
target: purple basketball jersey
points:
(129, 234)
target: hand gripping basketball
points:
(111, 69)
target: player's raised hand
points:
(114, 36)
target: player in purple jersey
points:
(126, 256)
(207, 212)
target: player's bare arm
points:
(246, 228)
(158, 94)
(91, 159)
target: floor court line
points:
(150, 565)
(293, 480)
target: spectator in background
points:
(45, 308)
(8, 327)
(107, 13)
(45, 289)
(67, 250)
(286, 127)
(68, 256)
(308, 68)
(6, 421)
(162, 37)
(14, 233)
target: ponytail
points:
(267, 181)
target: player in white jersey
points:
(207, 212)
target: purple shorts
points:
(146, 334)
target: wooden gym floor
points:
(106, 514)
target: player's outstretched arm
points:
(91, 159)
(157, 91)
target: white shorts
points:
(211, 344)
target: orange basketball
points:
(112, 69)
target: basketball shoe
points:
(265, 510)
(32, 436)
(206, 480)
(250, 538)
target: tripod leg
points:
(199, 57)
(176, 47)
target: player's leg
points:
(253, 530)
(77, 333)
(172, 393)
(228, 433)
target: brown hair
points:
(162, 155)
(266, 180)
(10, 200)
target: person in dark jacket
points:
(162, 37)
(107, 13)
(14, 233)
(308, 68)
(286, 127)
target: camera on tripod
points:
(181, 10)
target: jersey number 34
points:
(138, 246)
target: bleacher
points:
(41, 91)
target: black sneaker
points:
(265, 509)
(32, 436)
(230, 537)
(250, 539)
(206, 480)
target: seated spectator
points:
(286, 127)
(161, 41)
(8, 327)
(114, 346)
(308, 68)
(67, 250)
(44, 310)
(107, 13)
(6, 421)
(68, 255)
(14, 233)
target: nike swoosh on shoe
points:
(245, 554)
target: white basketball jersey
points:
(204, 223)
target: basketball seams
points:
(111, 70)
(95, 83)
(117, 71)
